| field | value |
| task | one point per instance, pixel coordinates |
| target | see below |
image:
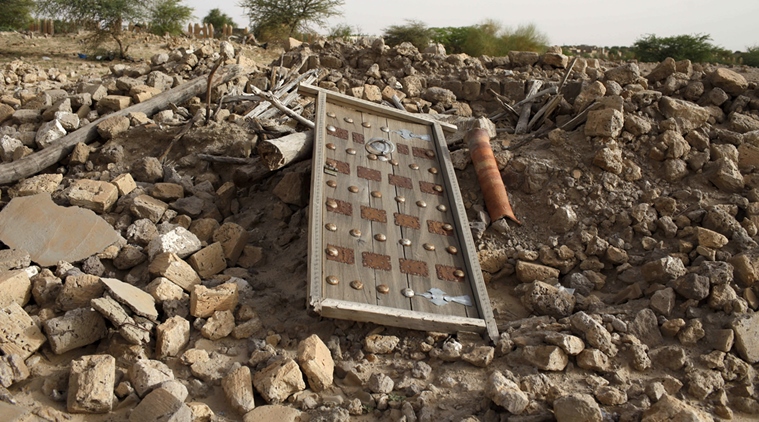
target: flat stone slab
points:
(138, 300)
(51, 233)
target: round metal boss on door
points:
(382, 288)
(407, 292)
(350, 151)
(405, 242)
(380, 237)
(332, 183)
(331, 146)
(452, 250)
(400, 199)
(413, 166)
(332, 280)
(433, 170)
(429, 246)
(333, 252)
(348, 120)
(331, 114)
(385, 129)
(376, 194)
(357, 285)
(331, 227)
(331, 204)
(421, 204)
(458, 273)
(447, 227)
(353, 189)
(366, 124)
(331, 129)
(442, 208)
(355, 232)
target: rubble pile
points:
(629, 292)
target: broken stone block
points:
(688, 115)
(545, 299)
(74, 329)
(147, 374)
(273, 412)
(380, 383)
(663, 270)
(93, 194)
(78, 291)
(162, 289)
(595, 333)
(279, 380)
(725, 175)
(238, 387)
(523, 58)
(593, 360)
(205, 301)
(91, 383)
(571, 345)
(142, 232)
(528, 272)
(668, 408)
(160, 405)
(247, 328)
(68, 234)
(130, 329)
(607, 123)
(479, 356)
(379, 344)
(218, 325)
(12, 370)
(625, 74)
(6, 112)
(546, 358)
(19, 335)
(609, 159)
(172, 336)
(8, 146)
(12, 259)
(316, 362)
(372, 93)
(22, 116)
(710, 239)
(43, 183)
(173, 268)
(125, 183)
(746, 330)
(208, 261)
(252, 256)
(70, 121)
(506, 393)
(148, 170)
(576, 408)
(178, 241)
(113, 103)
(293, 189)
(729, 81)
(145, 206)
(15, 286)
(109, 128)
(136, 299)
(48, 133)
(233, 239)
(167, 191)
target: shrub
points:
(696, 48)
(751, 56)
(170, 17)
(415, 32)
(17, 14)
(218, 19)
(490, 38)
(342, 31)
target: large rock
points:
(606, 122)
(729, 81)
(74, 329)
(91, 384)
(146, 374)
(747, 337)
(625, 74)
(506, 393)
(15, 287)
(316, 362)
(174, 269)
(179, 241)
(688, 115)
(238, 387)
(523, 58)
(93, 194)
(68, 234)
(577, 408)
(161, 406)
(19, 335)
(172, 336)
(528, 272)
(545, 299)
(279, 380)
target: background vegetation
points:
(170, 17)
(275, 19)
(218, 19)
(697, 48)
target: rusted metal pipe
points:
(488, 176)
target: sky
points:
(732, 24)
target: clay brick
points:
(93, 194)
(208, 261)
(145, 206)
(172, 267)
(204, 301)
(233, 239)
(78, 290)
(15, 287)
(125, 183)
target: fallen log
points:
(277, 153)
(34, 163)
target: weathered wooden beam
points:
(38, 161)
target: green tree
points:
(751, 56)
(170, 17)
(415, 32)
(104, 17)
(16, 13)
(289, 15)
(218, 19)
(490, 38)
(342, 31)
(696, 48)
